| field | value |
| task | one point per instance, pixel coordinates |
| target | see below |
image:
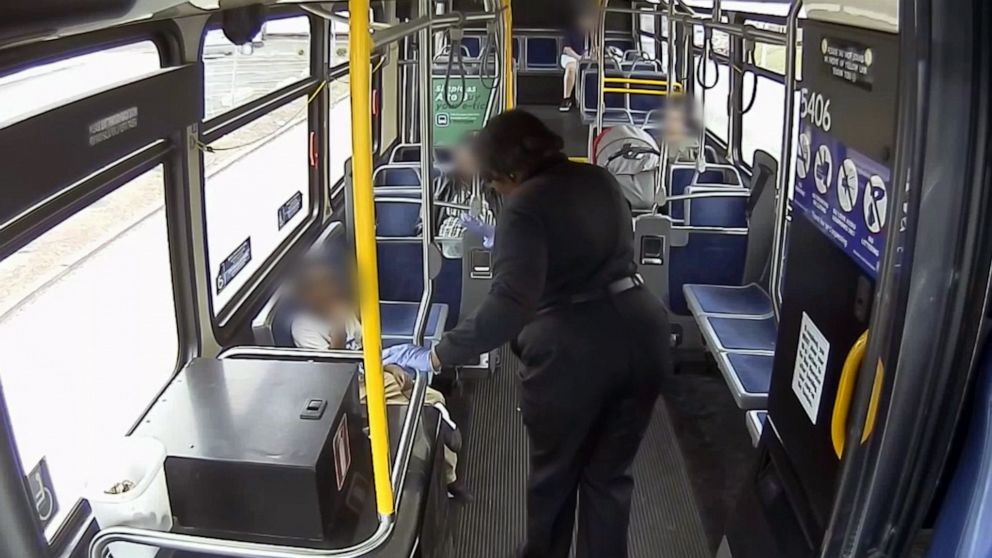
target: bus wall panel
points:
(53, 149)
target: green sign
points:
(459, 114)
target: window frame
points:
(168, 151)
(242, 306)
(756, 71)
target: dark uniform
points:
(594, 345)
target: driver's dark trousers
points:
(591, 376)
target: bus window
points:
(88, 333)
(715, 111)
(772, 57)
(339, 43)
(646, 38)
(233, 75)
(257, 193)
(30, 90)
(340, 125)
(761, 127)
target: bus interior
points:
(817, 238)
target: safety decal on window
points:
(289, 209)
(233, 264)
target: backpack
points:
(632, 156)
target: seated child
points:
(327, 320)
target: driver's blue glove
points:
(409, 356)
(481, 228)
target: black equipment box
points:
(266, 451)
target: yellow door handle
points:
(845, 393)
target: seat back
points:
(406, 153)
(401, 276)
(473, 45)
(680, 177)
(622, 44)
(396, 218)
(761, 218)
(716, 244)
(396, 175)
(542, 53)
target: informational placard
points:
(845, 193)
(289, 209)
(455, 113)
(233, 264)
(848, 61)
(811, 367)
(342, 452)
(40, 483)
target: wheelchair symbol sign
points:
(45, 503)
(875, 204)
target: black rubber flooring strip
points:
(664, 522)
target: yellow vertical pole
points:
(508, 80)
(360, 61)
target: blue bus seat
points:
(728, 300)
(749, 376)
(389, 175)
(680, 177)
(399, 318)
(401, 276)
(397, 219)
(406, 153)
(637, 105)
(740, 334)
(542, 53)
(691, 263)
(473, 45)
(755, 424)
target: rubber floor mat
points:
(664, 521)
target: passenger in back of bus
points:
(327, 320)
(577, 45)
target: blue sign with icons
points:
(844, 193)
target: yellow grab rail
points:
(360, 62)
(655, 92)
(845, 393)
(508, 54)
(677, 87)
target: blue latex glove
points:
(481, 228)
(409, 356)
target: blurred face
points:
(676, 126)
(465, 164)
(321, 293)
(589, 21)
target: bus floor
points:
(491, 523)
(568, 125)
